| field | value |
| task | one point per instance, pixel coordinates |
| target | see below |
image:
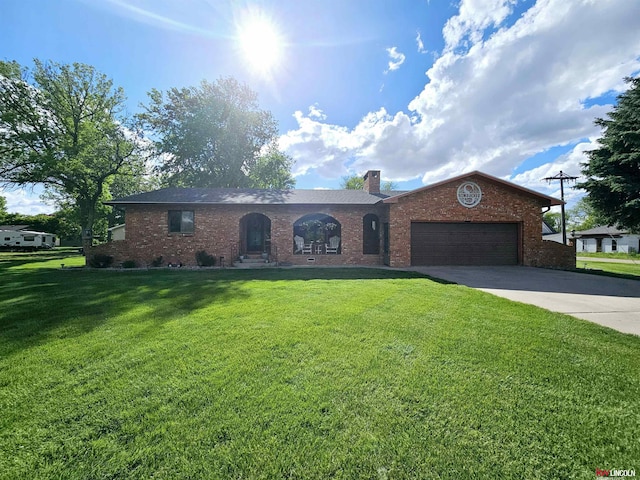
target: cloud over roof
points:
(496, 96)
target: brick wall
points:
(217, 231)
(499, 204)
(554, 255)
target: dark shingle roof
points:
(239, 196)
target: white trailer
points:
(25, 240)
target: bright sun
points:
(261, 45)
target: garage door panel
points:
(464, 243)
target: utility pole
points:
(562, 177)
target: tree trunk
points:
(87, 215)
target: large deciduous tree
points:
(63, 126)
(353, 182)
(583, 216)
(554, 220)
(214, 135)
(613, 170)
(356, 182)
(3, 208)
(272, 170)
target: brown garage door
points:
(464, 243)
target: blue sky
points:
(421, 90)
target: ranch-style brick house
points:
(472, 219)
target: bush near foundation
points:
(203, 259)
(101, 260)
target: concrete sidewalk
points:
(608, 301)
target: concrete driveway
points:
(612, 302)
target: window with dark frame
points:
(181, 221)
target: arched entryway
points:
(317, 233)
(255, 234)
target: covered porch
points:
(317, 234)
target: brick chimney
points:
(372, 181)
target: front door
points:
(255, 237)
(257, 233)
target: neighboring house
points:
(606, 240)
(548, 229)
(472, 219)
(116, 233)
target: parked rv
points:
(25, 240)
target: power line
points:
(562, 177)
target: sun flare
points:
(261, 44)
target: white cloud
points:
(397, 59)
(318, 145)
(420, 44)
(494, 104)
(569, 163)
(474, 17)
(315, 112)
(21, 200)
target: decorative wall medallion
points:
(469, 194)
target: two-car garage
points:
(464, 243)
(473, 219)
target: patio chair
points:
(333, 245)
(299, 243)
(307, 248)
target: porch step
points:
(253, 264)
(253, 261)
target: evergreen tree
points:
(613, 170)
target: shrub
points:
(203, 259)
(157, 262)
(129, 264)
(101, 261)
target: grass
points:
(44, 259)
(601, 267)
(302, 373)
(616, 255)
(625, 270)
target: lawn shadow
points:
(329, 273)
(17, 259)
(35, 304)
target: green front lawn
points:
(302, 373)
